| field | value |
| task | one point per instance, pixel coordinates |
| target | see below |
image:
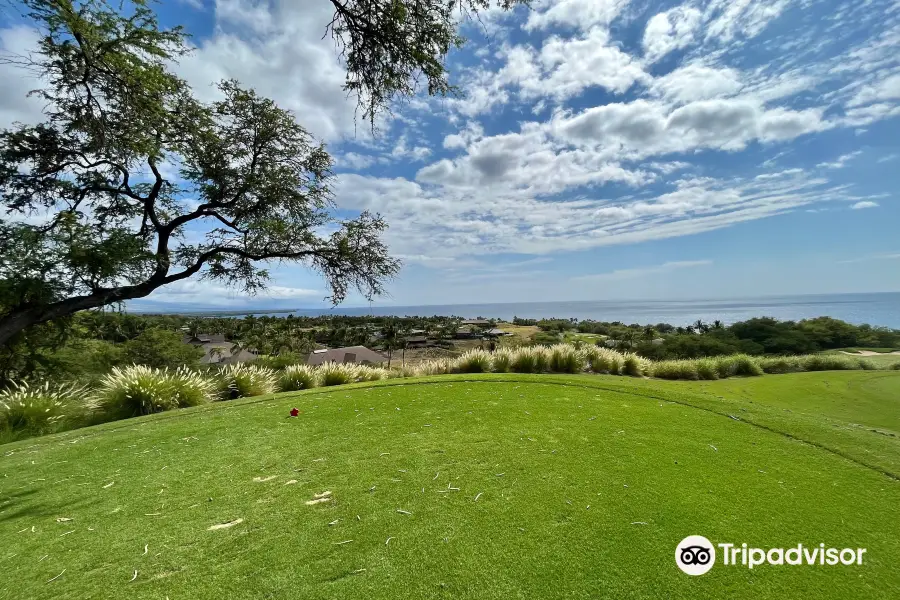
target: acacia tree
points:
(94, 211)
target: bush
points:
(895, 366)
(635, 366)
(140, 390)
(240, 380)
(565, 358)
(503, 360)
(531, 359)
(332, 373)
(30, 410)
(297, 377)
(160, 348)
(676, 369)
(473, 361)
(737, 364)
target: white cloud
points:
(15, 105)
(582, 14)
(670, 30)
(277, 48)
(354, 161)
(620, 274)
(864, 204)
(840, 162)
(696, 81)
(197, 291)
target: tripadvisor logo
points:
(696, 555)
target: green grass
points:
(565, 469)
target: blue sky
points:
(603, 149)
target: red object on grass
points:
(294, 412)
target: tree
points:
(160, 348)
(118, 120)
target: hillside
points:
(464, 486)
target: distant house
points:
(416, 341)
(476, 322)
(496, 333)
(217, 350)
(350, 354)
(204, 338)
(224, 353)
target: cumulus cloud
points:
(670, 30)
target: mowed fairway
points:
(502, 486)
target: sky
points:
(600, 150)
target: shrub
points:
(240, 380)
(565, 358)
(737, 364)
(706, 368)
(634, 365)
(676, 369)
(297, 377)
(895, 366)
(332, 373)
(828, 362)
(604, 360)
(29, 410)
(503, 360)
(531, 359)
(140, 390)
(781, 364)
(473, 361)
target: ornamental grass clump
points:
(604, 360)
(530, 359)
(473, 361)
(634, 365)
(502, 360)
(742, 365)
(566, 358)
(140, 390)
(241, 380)
(28, 410)
(297, 377)
(334, 373)
(676, 369)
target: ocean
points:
(882, 309)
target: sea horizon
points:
(875, 308)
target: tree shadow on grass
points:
(25, 503)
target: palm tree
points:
(700, 327)
(717, 324)
(649, 333)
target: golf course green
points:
(466, 486)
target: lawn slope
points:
(584, 486)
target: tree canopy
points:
(94, 211)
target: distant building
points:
(351, 354)
(225, 353)
(496, 332)
(476, 322)
(416, 341)
(204, 338)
